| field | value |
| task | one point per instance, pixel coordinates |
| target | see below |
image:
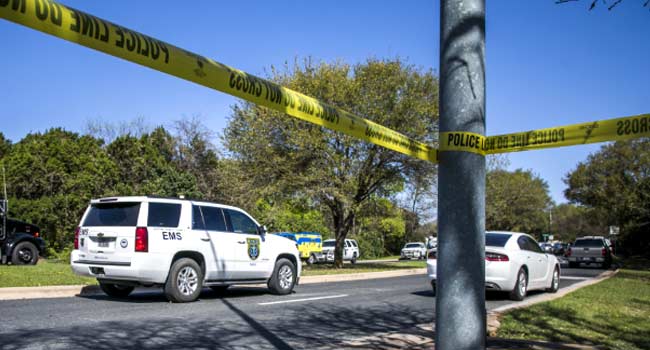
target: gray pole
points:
(460, 302)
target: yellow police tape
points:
(617, 129)
(87, 30)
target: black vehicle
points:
(20, 242)
(561, 248)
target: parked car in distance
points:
(514, 263)
(350, 251)
(413, 250)
(546, 247)
(310, 244)
(560, 248)
(590, 249)
(180, 245)
(20, 242)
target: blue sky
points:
(547, 64)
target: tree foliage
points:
(285, 157)
(615, 183)
(570, 221)
(52, 176)
(516, 201)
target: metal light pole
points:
(460, 303)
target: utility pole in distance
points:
(460, 302)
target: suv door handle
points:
(205, 239)
(241, 242)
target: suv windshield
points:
(413, 245)
(496, 239)
(113, 214)
(589, 243)
(328, 243)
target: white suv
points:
(413, 250)
(350, 251)
(179, 244)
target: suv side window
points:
(348, 244)
(240, 223)
(164, 214)
(197, 218)
(213, 218)
(354, 244)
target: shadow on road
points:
(323, 327)
(155, 295)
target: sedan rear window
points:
(590, 243)
(113, 214)
(414, 245)
(496, 239)
(328, 243)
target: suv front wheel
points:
(184, 282)
(283, 278)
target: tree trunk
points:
(342, 225)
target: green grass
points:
(328, 269)
(45, 273)
(53, 273)
(390, 257)
(614, 313)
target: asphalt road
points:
(316, 316)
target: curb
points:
(494, 315)
(17, 293)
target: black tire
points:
(184, 282)
(311, 260)
(116, 290)
(518, 293)
(433, 287)
(555, 284)
(354, 258)
(574, 265)
(283, 278)
(25, 253)
(219, 289)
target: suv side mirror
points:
(262, 230)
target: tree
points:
(516, 201)
(5, 145)
(196, 155)
(284, 156)
(52, 176)
(615, 183)
(571, 221)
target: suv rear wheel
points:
(283, 278)
(115, 290)
(184, 282)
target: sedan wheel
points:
(519, 292)
(555, 283)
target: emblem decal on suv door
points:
(253, 248)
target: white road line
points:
(574, 278)
(304, 299)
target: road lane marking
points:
(304, 299)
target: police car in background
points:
(181, 245)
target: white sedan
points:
(514, 263)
